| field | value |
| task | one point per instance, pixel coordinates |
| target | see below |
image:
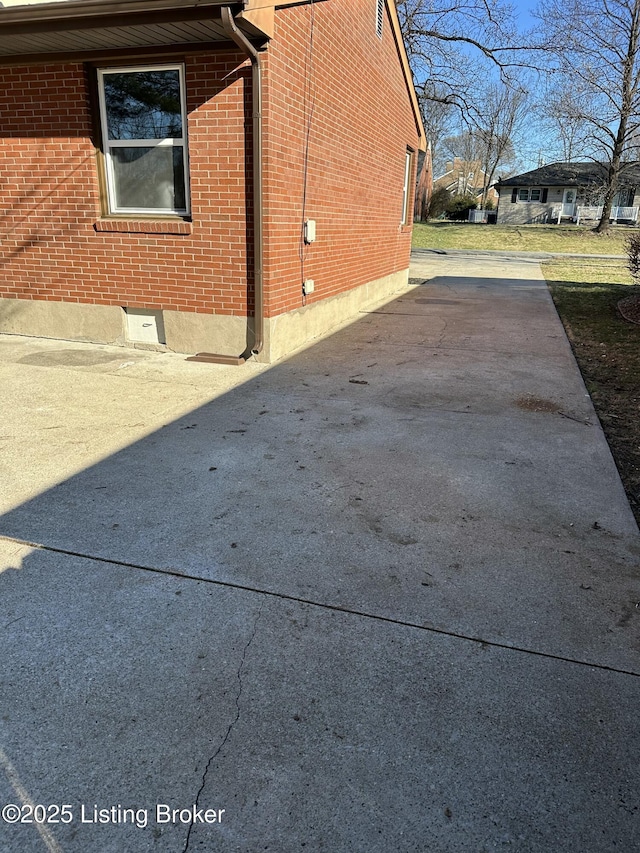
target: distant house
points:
(188, 174)
(424, 185)
(566, 191)
(465, 177)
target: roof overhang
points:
(74, 29)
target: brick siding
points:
(55, 245)
(346, 88)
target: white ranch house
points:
(566, 192)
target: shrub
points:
(440, 200)
(459, 207)
(632, 247)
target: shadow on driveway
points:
(381, 596)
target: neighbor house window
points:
(408, 171)
(530, 195)
(625, 197)
(379, 17)
(142, 113)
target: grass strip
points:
(607, 349)
(526, 238)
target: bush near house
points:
(459, 207)
(440, 200)
(632, 247)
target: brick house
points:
(189, 173)
(465, 177)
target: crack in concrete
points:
(231, 726)
(443, 333)
(449, 287)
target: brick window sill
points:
(144, 226)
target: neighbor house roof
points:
(569, 175)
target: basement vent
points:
(144, 326)
(379, 17)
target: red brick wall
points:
(49, 245)
(348, 89)
(53, 245)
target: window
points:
(534, 194)
(624, 197)
(379, 17)
(408, 171)
(142, 113)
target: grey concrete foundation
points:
(189, 332)
(69, 321)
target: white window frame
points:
(408, 163)
(109, 144)
(523, 194)
(535, 190)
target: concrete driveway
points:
(380, 597)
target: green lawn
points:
(587, 272)
(607, 349)
(528, 238)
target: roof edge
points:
(408, 76)
(71, 9)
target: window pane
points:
(535, 195)
(149, 178)
(405, 191)
(523, 195)
(143, 104)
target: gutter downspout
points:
(245, 45)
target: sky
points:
(533, 146)
(523, 9)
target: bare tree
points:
(504, 109)
(452, 43)
(465, 150)
(562, 109)
(437, 117)
(596, 50)
(489, 143)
